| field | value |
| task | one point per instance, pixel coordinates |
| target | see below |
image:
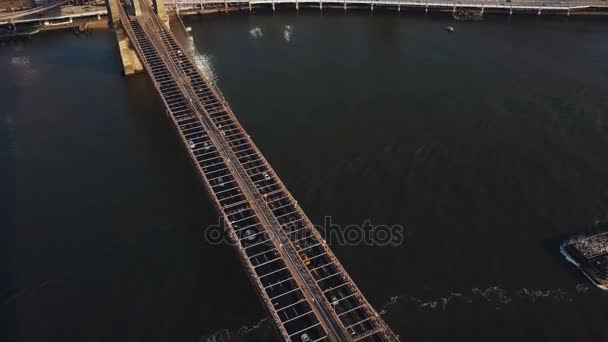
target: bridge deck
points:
(302, 284)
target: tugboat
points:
(449, 28)
(464, 15)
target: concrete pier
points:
(159, 7)
(130, 62)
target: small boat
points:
(449, 28)
(49, 23)
(18, 34)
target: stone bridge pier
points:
(130, 62)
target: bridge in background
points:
(503, 6)
(302, 284)
(52, 15)
(54, 10)
(30, 11)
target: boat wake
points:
(202, 61)
(227, 335)
(25, 70)
(495, 296)
(256, 33)
(288, 33)
(30, 291)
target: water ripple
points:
(256, 33)
(226, 334)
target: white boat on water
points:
(48, 23)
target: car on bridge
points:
(304, 258)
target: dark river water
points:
(488, 145)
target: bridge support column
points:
(113, 16)
(321, 5)
(130, 62)
(372, 8)
(273, 8)
(159, 6)
(136, 7)
(426, 9)
(398, 7)
(482, 8)
(345, 5)
(249, 6)
(297, 6)
(568, 13)
(539, 10)
(511, 10)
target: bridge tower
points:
(130, 62)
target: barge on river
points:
(590, 254)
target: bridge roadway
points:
(306, 290)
